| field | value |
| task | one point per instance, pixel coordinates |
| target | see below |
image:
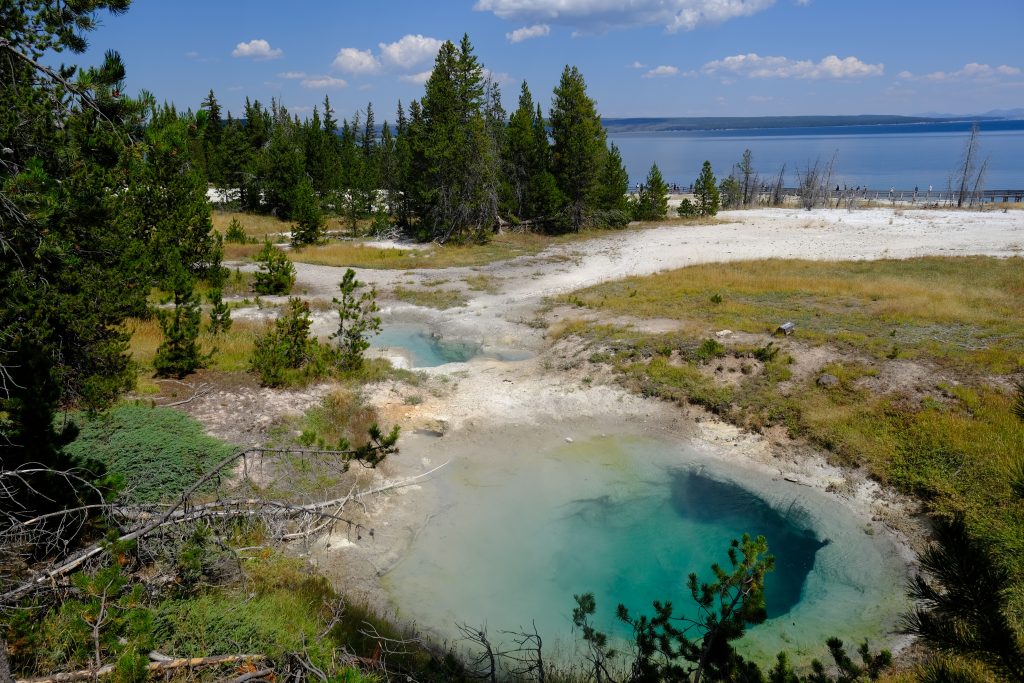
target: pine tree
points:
(276, 274)
(71, 269)
(578, 153)
(652, 201)
(369, 177)
(613, 190)
(520, 159)
(178, 354)
(387, 169)
(357, 320)
(282, 164)
(309, 228)
(705, 192)
(459, 162)
(402, 167)
(351, 161)
(236, 155)
(166, 199)
(211, 135)
(220, 313)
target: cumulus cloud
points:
(353, 61)
(409, 50)
(257, 49)
(755, 66)
(292, 75)
(417, 79)
(662, 72)
(970, 72)
(527, 32)
(321, 82)
(602, 15)
(636, 65)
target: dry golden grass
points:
(355, 255)
(432, 298)
(231, 350)
(501, 247)
(965, 310)
(255, 225)
(241, 252)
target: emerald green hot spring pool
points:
(519, 530)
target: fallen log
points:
(88, 674)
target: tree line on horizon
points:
(453, 167)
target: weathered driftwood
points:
(88, 674)
(182, 511)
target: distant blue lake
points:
(880, 157)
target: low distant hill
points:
(637, 125)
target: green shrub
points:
(767, 353)
(276, 274)
(309, 218)
(287, 346)
(709, 348)
(236, 233)
(357, 321)
(156, 453)
(687, 209)
(178, 353)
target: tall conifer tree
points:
(579, 151)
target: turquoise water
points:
(427, 350)
(518, 533)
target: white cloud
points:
(971, 72)
(192, 54)
(257, 49)
(320, 82)
(527, 32)
(499, 77)
(409, 50)
(417, 79)
(755, 66)
(292, 75)
(602, 15)
(353, 61)
(637, 65)
(662, 72)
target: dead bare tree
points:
(776, 195)
(283, 519)
(815, 183)
(969, 176)
(527, 658)
(749, 180)
(483, 662)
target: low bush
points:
(276, 273)
(156, 453)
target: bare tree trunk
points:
(966, 169)
(979, 183)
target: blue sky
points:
(640, 57)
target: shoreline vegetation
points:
(123, 545)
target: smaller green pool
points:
(428, 350)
